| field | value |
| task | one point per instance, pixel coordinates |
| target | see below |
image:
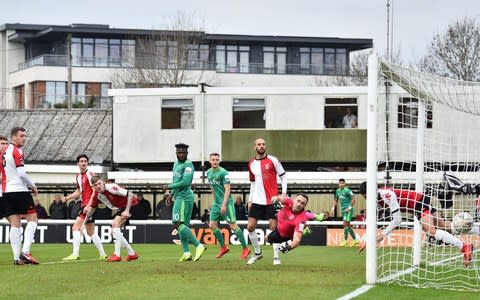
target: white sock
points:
(28, 236)
(254, 239)
(475, 230)
(98, 243)
(77, 238)
(276, 250)
(117, 235)
(16, 241)
(447, 237)
(125, 244)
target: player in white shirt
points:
(263, 170)
(17, 199)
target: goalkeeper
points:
(432, 224)
(291, 222)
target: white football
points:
(462, 222)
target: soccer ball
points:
(462, 222)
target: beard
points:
(260, 151)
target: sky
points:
(414, 21)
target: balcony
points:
(155, 63)
(78, 101)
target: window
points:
(55, 94)
(177, 114)
(305, 60)
(341, 113)
(408, 113)
(232, 58)
(89, 52)
(323, 61)
(248, 113)
(274, 60)
(197, 56)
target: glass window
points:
(177, 114)
(248, 113)
(128, 53)
(268, 62)
(244, 62)
(55, 94)
(232, 62)
(341, 62)
(317, 60)
(220, 58)
(329, 61)
(305, 60)
(101, 52)
(408, 113)
(281, 60)
(341, 113)
(76, 52)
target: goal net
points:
(424, 136)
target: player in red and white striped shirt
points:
(85, 191)
(263, 170)
(117, 198)
(17, 199)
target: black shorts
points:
(261, 212)
(83, 216)
(119, 213)
(17, 203)
(423, 207)
(275, 237)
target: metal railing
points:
(161, 64)
(78, 101)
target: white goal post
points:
(426, 128)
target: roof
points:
(29, 31)
(57, 136)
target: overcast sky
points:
(414, 21)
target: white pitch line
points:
(450, 258)
(361, 290)
(68, 262)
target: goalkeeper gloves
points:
(277, 204)
(319, 217)
(307, 231)
(285, 247)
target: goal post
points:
(423, 136)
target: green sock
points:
(184, 243)
(241, 238)
(345, 233)
(352, 233)
(218, 234)
(187, 233)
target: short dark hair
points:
(82, 156)
(181, 146)
(214, 154)
(341, 180)
(95, 178)
(2, 137)
(15, 130)
(363, 187)
(303, 195)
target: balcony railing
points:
(156, 63)
(78, 101)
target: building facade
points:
(36, 62)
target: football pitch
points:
(309, 272)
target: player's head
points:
(363, 189)
(299, 203)
(82, 162)
(3, 143)
(98, 184)
(341, 183)
(260, 146)
(18, 135)
(214, 160)
(181, 150)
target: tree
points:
(456, 52)
(166, 58)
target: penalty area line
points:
(361, 290)
(69, 262)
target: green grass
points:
(307, 272)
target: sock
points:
(28, 236)
(187, 233)
(218, 234)
(117, 235)
(98, 243)
(475, 230)
(276, 250)
(345, 233)
(126, 245)
(447, 237)
(254, 240)
(352, 233)
(184, 242)
(16, 241)
(77, 238)
(241, 238)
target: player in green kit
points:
(347, 201)
(223, 208)
(181, 188)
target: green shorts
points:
(229, 215)
(347, 215)
(182, 211)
